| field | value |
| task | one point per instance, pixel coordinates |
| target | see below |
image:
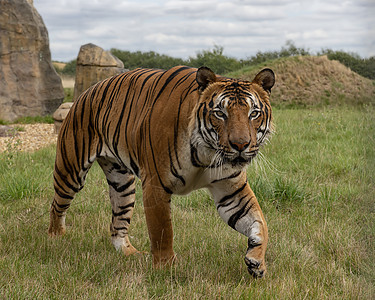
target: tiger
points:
(177, 130)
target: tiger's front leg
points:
(159, 223)
(239, 208)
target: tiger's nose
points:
(239, 146)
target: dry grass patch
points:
(314, 80)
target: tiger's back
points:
(164, 127)
(113, 122)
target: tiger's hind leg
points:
(122, 195)
(66, 184)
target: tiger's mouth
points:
(239, 159)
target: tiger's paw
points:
(257, 268)
(123, 245)
(56, 226)
(56, 231)
(129, 250)
(164, 262)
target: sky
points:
(181, 28)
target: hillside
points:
(58, 65)
(313, 80)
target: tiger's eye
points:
(254, 114)
(219, 114)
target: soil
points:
(28, 137)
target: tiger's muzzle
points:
(241, 156)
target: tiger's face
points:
(233, 118)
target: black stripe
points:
(206, 133)
(194, 157)
(134, 166)
(121, 228)
(116, 166)
(124, 210)
(120, 189)
(234, 175)
(120, 213)
(238, 215)
(239, 202)
(56, 210)
(124, 219)
(126, 206)
(81, 157)
(168, 80)
(183, 96)
(123, 171)
(132, 192)
(58, 185)
(62, 206)
(117, 81)
(225, 198)
(76, 144)
(65, 163)
(173, 169)
(62, 195)
(64, 178)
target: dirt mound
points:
(316, 80)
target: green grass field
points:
(314, 182)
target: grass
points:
(315, 186)
(68, 92)
(30, 120)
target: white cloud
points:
(182, 27)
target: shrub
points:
(216, 60)
(149, 59)
(286, 51)
(70, 68)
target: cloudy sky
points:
(180, 28)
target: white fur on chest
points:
(198, 178)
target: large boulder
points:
(29, 85)
(93, 65)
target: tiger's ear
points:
(266, 79)
(205, 76)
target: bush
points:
(70, 68)
(212, 58)
(149, 59)
(216, 60)
(289, 50)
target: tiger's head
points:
(233, 118)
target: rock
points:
(60, 114)
(93, 65)
(29, 85)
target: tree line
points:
(222, 64)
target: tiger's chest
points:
(198, 177)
